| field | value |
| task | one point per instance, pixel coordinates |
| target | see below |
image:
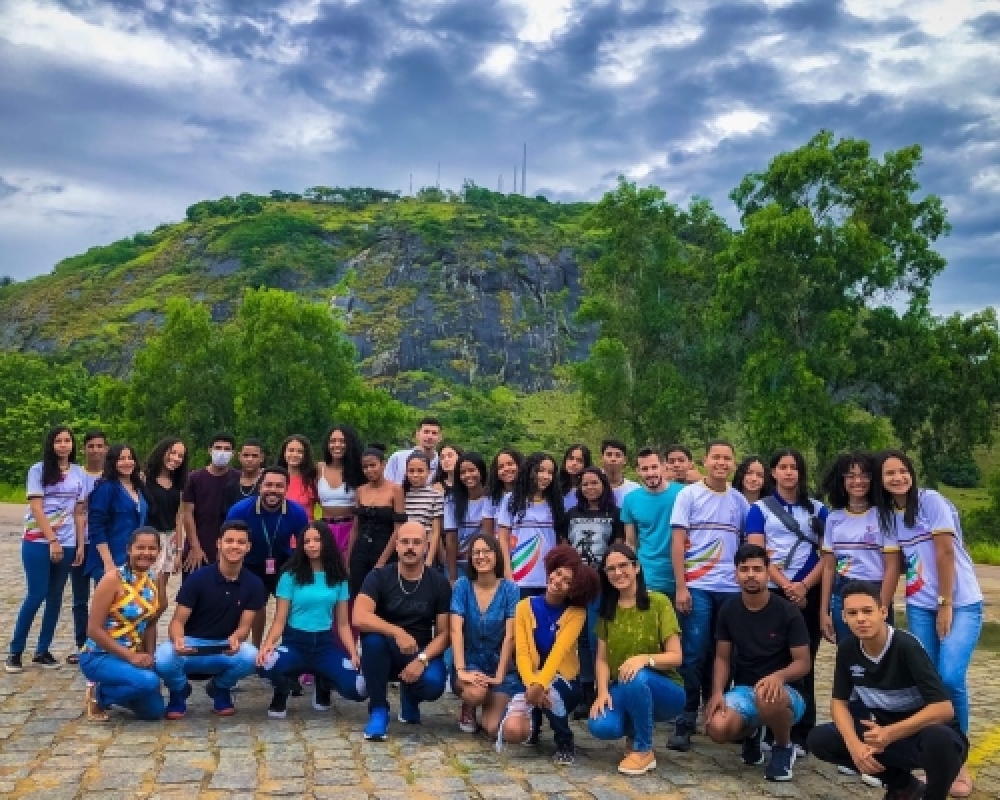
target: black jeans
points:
(807, 685)
(937, 749)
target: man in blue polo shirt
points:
(216, 606)
(274, 523)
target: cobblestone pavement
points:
(48, 750)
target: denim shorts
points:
(510, 685)
(743, 700)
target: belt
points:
(337, 520)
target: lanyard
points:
(270, 537)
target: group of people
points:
(537, 589)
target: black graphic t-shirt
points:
(592, 532)
(413, 607)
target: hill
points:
(479, 290)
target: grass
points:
(10, 493)
(985, 553)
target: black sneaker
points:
(13, 663)
(582, 711)
(297, 688)
(46, 660)
(565, 755)
(753, 755)
(279, 706)
(913, 791)
(680, 739)
(782, 761)
(321, 695)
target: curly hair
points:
(586, 585)
(526, 487)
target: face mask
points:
(221, 458)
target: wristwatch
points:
(651, 662)
(422, 658)
(943, 601)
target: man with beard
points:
(427, 438)
(646, 513)
(274, 523)
(762, 641)
(403, 615)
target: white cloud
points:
(499, 61)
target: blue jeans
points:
(121, 684)
(79, 583)
(698, 636)
(225, 670)
(46, 581)
(952, 654)
(587, 643)
(317, 653)
(381, 662)
(561, 731)
(649, 697)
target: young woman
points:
(547, 628)
(463, 512)
(423, 503)
(312, 593)
(592, 524)
(166, 473)
(378, 515)
(117, 506)
(446, 475)
(529, 522)
(295, 455)
(52, 543)
(340, 475)
(944, 604)
(854, 548)
(638, 653)
(576, 459)
(752, 479)
(789, 525)
(118, 657)
(503, 477)
(482, 636)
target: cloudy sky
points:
(115, 116)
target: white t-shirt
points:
(58, 504)
(712, 522)
(532, 535)
(780, 542)
(934, 518)
(857, 543)
(395, 467)
(620, 491)
(469, 526)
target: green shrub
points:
(962, 473)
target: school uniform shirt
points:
(620, 491)
(857, 544)
(592, 532)
(532, 535)
(894, 685)
(713, 522)
(395, 467)
(785, 549)
(934, 518)
(59, 501)
(465, 529)
(570, 500)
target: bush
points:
(962, 473)
(982, 525)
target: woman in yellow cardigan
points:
(546, 630)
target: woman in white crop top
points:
(340, 476)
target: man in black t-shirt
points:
(901, 718)
(762, 640)
(402, 613)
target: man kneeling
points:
(216, 606)
(763, 638)
(905, 720)
(403, 615)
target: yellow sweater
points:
(563, 658)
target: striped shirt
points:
(424, 504)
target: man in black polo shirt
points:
(215, 610)
(402, 613)
(901, 718)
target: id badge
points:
(269, 568)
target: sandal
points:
(962, 785)
(73, 658)
(94, 711)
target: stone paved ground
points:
(49, 751)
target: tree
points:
(181, 381)
(828, 232)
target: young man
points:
(680, 465)
(427, 438)
(762, 642)
(202, 504)
(614, 456)
(273, 522)
(251, 457)
(891, 712)
(707, 519)
(646, 515)
(95, 449)
(402, 613)
(216, 606)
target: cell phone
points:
(210, 649)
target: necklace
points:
(249, 489)
(399, 577)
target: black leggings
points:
(937, 749)
(366, 553)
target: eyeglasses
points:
(611, 569)
(482, 553)
(857, 476)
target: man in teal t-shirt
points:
(646, 515)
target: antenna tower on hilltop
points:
(524, 171)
